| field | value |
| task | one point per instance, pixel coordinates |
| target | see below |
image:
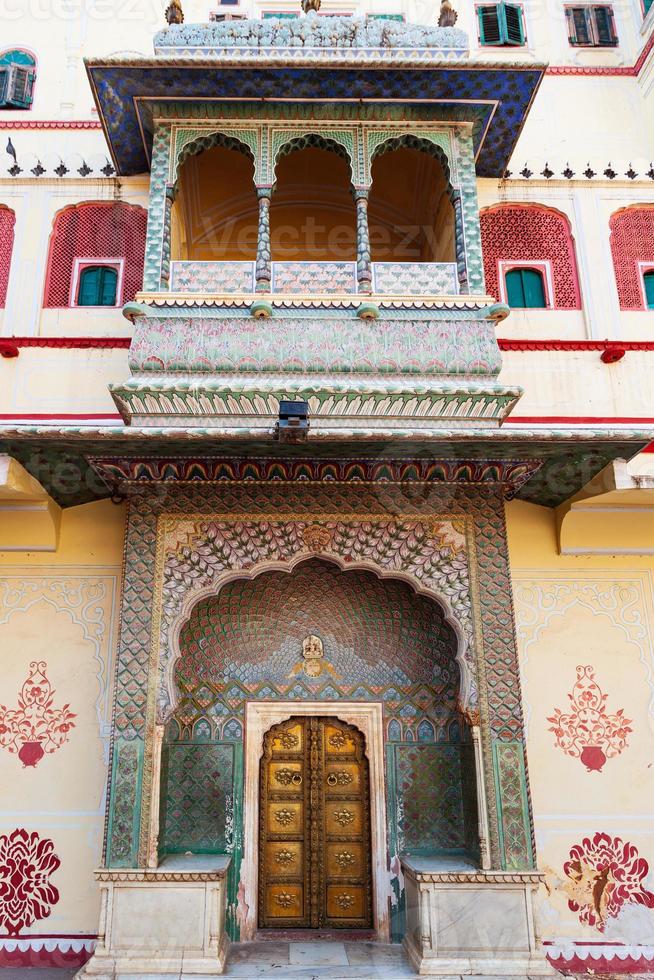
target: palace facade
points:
(326, 483)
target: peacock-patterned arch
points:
(191, 143)
(341, 144)
(411, 141)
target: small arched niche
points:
(215, 212)
(312, 210)
(410, 212)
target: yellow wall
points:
(63, 609)
(572, 612)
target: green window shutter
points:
(578, 26)
(515, 294)
(525, 289)
(534, 288)
(604, 27)
(646, 6)
(648, 279)
(4, 84)
(97, 286)
(490, 31)
(511, 23)
(20, 87)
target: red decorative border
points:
(50, 124)
(628, 70)
(47, 951)
(505, 343)
(578, 345)
(69, 343)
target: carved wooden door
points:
(314, 845)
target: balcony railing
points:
(388, 278)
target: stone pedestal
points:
(460, 920)
(162, 920)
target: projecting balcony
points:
(315, 278)
(313, 231)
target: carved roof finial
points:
(308, 5)
(448, 15)
(174, 12)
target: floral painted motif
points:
(588, 732)
(26, 893)
(35, 726)
(604, 874)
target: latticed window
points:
(501, 24)
(94, 231)
(531, 234)
(7, 220)
(632, 248)
(525, 288)
(17, 74)
(591, 26)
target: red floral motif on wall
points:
(632, 242)
(587, 732)
(530, 233)
(35, 726)
(26, 892)
(604, 874)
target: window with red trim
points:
(7, 221)
(632, 248)
(531, 233)
(94, 231)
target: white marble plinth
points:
(169, 919)
(467, 921)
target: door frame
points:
(367, 716)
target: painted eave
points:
(58, 456)
(495, 96)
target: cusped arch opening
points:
(410, 212)
(312, 210)
(214, 216)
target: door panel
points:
(314, 850)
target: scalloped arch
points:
(301, 142)
(245, 143)
(410, 141)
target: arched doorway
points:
(314, 838)
(388, 666)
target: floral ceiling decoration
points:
(604, 874)
(588, 732)
(35, 726)
(26, 893)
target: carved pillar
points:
(459, 242)
(364, 265)
(153, 842)
(263, 266)
(165, 244)
(482, 811)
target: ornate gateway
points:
(314, 846)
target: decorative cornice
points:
(304, 302)
(119, 875)
(116, 471)
(492, 879)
